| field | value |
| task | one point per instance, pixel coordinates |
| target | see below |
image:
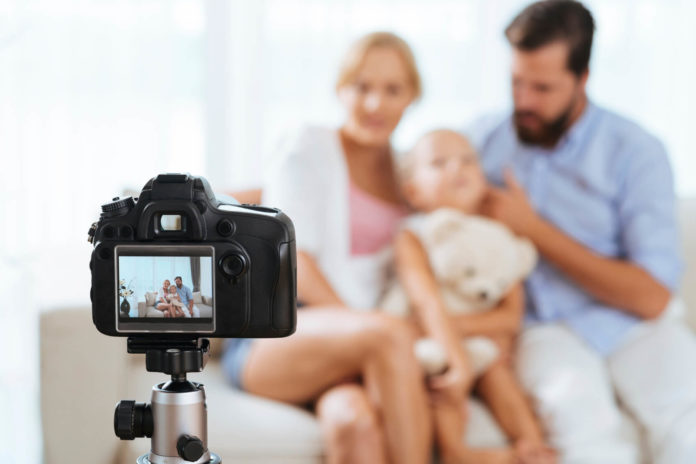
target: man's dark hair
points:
(178, 277)
(548, 21)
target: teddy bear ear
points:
(527, 256)
(441, 224)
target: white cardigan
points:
(309, 182)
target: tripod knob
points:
(190, 448)
(132, 420)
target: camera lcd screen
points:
(165, 288)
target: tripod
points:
(176, 418)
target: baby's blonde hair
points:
(408, 160)
(357, 52)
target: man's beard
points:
(549, 133)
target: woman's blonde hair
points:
(358, 50)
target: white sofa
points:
(84, 374)
(147, 308)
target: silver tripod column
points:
(176, 419)
(180, 434)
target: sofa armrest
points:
(83, 375)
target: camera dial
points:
(118, 207)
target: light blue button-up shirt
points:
(185, 294)
(608, 185)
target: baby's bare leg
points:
(450, 420)
(449, 436)
(176, 310)
(503, 394)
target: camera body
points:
(232, 267)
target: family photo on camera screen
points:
(165, 287)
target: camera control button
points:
(233, 265)
(225, 227)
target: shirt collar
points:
(578, 131)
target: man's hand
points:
(510, 206)
(613, 281)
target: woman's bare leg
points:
(351, 426)
(334, 344)
(164, 308)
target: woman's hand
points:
(504, 319)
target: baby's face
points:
(445, 173)
(172, 289)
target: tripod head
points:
(176, 418)
(173, 357)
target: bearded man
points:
(594, 192)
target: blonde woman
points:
(340, 189)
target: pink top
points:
(373, 221)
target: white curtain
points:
(96, 97)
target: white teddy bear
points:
(476, 262)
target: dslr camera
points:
(171, 268)
(231, 266)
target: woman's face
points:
(165, 284)
(378, 98)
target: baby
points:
(175, 300)
(442, 171)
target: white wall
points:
(98, 96)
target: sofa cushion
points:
(150, 298)
(204, 310)
(83, 374)
(197, 298)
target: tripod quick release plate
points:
(175, 358)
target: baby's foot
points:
(529, 452)
(479, 456)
